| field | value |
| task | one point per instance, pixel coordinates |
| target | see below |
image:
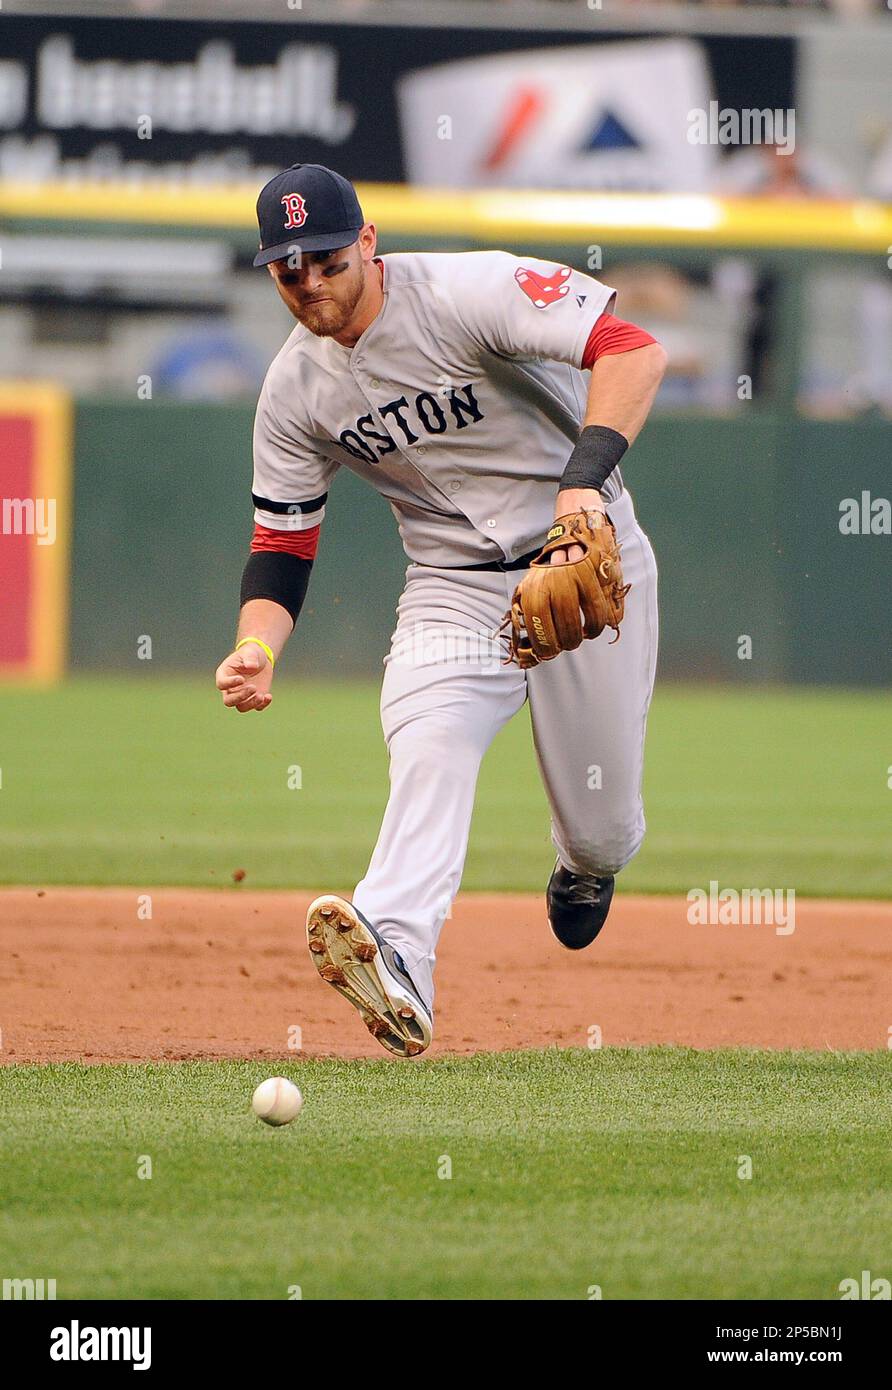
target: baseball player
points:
(489, 398)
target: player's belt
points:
(521, 563)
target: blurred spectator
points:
(209, 364)
(847, 329)
(879, 177)
(701, 321)
(763, 170)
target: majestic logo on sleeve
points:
(296, 209)
(544, 290)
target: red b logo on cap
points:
(296, 209)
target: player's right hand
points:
(244, 679)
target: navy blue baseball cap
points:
(306, 208)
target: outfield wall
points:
(743, 513)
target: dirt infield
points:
(226, 974)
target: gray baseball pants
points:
(445, 696)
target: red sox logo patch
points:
(296, 209)
(544, 289)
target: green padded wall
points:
(743, 513)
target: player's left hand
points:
(556, 607)
(575, 499)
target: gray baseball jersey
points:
(460, 403)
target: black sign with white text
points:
(208, 102)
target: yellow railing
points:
(493, 216)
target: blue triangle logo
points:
(610, 134)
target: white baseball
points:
(276, 1101)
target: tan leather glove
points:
(555, 607)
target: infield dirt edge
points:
(88, 975)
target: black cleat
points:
(577, 906)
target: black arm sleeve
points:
(598, 450)
(280, 577)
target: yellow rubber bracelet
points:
(267, 651)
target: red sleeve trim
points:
(302, 543)
(612, 335)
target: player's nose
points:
(311, 280)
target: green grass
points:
(151, 782)
(569, 1169)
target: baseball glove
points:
(555, 606)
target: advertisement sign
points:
(183, 103)
(35, 518)
(591, 116)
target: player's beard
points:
(333, 315)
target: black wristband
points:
(278, 576)
(598, 450)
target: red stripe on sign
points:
(17, 441)
(523, 111)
